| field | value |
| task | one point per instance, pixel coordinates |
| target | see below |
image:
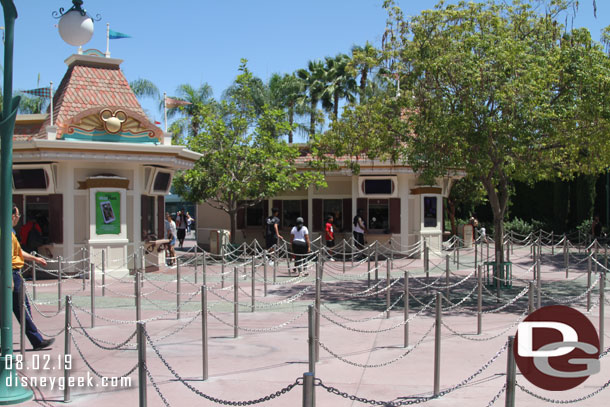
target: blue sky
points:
(202, 41)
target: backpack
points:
(356, 220)
(270, 226)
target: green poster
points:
(108, 213)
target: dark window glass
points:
(255, 215)
(334, 207)
(148, 216)
(290, 212)
(161, 182)
(378, 186)
(430, 219)
(33, 178)
(379, 215)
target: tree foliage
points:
(500, 90)
(243, 162)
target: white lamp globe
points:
(75, 29)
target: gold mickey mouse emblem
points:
(113, 121)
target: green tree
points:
(340, 84)
(465, 195)
(363, 61)
(144, 88)
(199, 98)
(287, 92)
(314, 78)
(501, 91)
(32, 104)
(243, 162)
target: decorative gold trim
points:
(426, 190)
(99, 182)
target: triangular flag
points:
(42, 92)
(171, 103)
(115, 35)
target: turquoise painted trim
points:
(93, 51)
(98, 135)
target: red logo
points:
(557, 348)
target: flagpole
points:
(107, 40)
(165, 109)
(51, 97)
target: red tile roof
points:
(86, 85)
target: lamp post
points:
(11, 392)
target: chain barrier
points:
(383, 364)
(509, 303)
(259, 330)
(95, 372)
(269, 397)
(370, 331)
(378, 316)
(558, 401)
(572, 299)
(488, 338)
(156, 387)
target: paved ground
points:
(257, 364)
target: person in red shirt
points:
(329, 234)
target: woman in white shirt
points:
(299, 238)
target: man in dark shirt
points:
(272, 232)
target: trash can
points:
(504, 273)
(466, 232)
(218, 238)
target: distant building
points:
(395, 205)
(99, 175)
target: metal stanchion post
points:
(22, 317)
(480, 300)
(538, 284)
(275, 269)
(511, 373)
(552, 243)
(437, 344)
(265, 273)
(508, 243)
(59, 277)
(512, 243)
(235, 303)
(204, 269)
(388, 296)
(589, 283)
(530, 297)
(83, 270)
(141, 329)
(498, 274)
(602, 286)
(406, 308)
(178, 287)
(253, 282)
(103, 272)
(317, 309)
(344, 242)
(353, 249)
(34, 280)
(311, 342)
(204, 330)
(67, 353)
(138, 292)
(475, 255)
(92, 285)
(447, 276)
(566, 254)
(308, 389)
(222, 266)
(427, 266)
(376, 262)
(368, 269)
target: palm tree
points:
(32, 104)
(341, 84)
(144, 88)
(198, 98)
(364, 59)
(287, 93)
(314, 78)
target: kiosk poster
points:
(108, 213)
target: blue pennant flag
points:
(115, 35)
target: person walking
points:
(171, 236)
(329, 235)
(272, 231)
(359, 229)
(181, 227)
(18, 260)
(299, 238)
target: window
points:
(378, 187)
(148, 216)
(290, 212)
(379, 215)
(32, 178)
(255, 215)
(430, 218)
(161, 183)
(334, 207)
